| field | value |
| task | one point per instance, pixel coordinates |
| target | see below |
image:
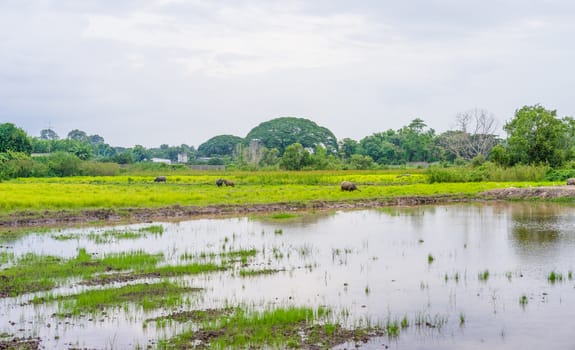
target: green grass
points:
(6, 257)
(483, 275)
(404, 322)
(156, 229)
(117, 192)
(392, 328)
(32, 273)
(292, 327)
(113, 236)
(164, 295)
(282, 216)
(554, 276)
(241, 255)
(252, 272)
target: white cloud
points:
(109, 68)
(245, 40)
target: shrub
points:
(98, 169)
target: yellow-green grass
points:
(41, 195)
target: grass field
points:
(200, 190)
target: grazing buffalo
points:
(220, 182)
(160, 179)
(229, 183)
(571, 181)
(349, 186)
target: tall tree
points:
(295, 157)
(417, 143)
(14, 139)
(77, 135)
(48, 134)
(536, 136)
(348, 147)
(219, 146)
(474, 135)
(281, 132)
(95, 139)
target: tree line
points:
(535, 136)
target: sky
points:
(152, 72)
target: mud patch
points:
(20, 344)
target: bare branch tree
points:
(474, 134)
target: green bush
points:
(488, 172)
(559, 174)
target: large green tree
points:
(537, 136)
(417, 142)
(219, 146)
(412, 143)
(295, 157)
(78, 135)
(14, 139)
(48, 134)
(281, 132)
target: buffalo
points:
(349, 186)
(571, 181)
(160, 179)
(220, 182)
(229, 183)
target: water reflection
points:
(369, 265)
(541, 229)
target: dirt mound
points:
(544, 192)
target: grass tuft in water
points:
(253, 273)
(554, 276)
(157, 229)
(404, 322)
(483, 275)
(523, 300)
(392, 328)
(283, 216)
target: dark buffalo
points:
(220, 182)
(160, 179)
(349, 186)
(229, 183)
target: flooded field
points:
(494, 276)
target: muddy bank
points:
(177, 212)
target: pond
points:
(495, 275)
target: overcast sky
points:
(154, 72)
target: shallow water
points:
(370, 265)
